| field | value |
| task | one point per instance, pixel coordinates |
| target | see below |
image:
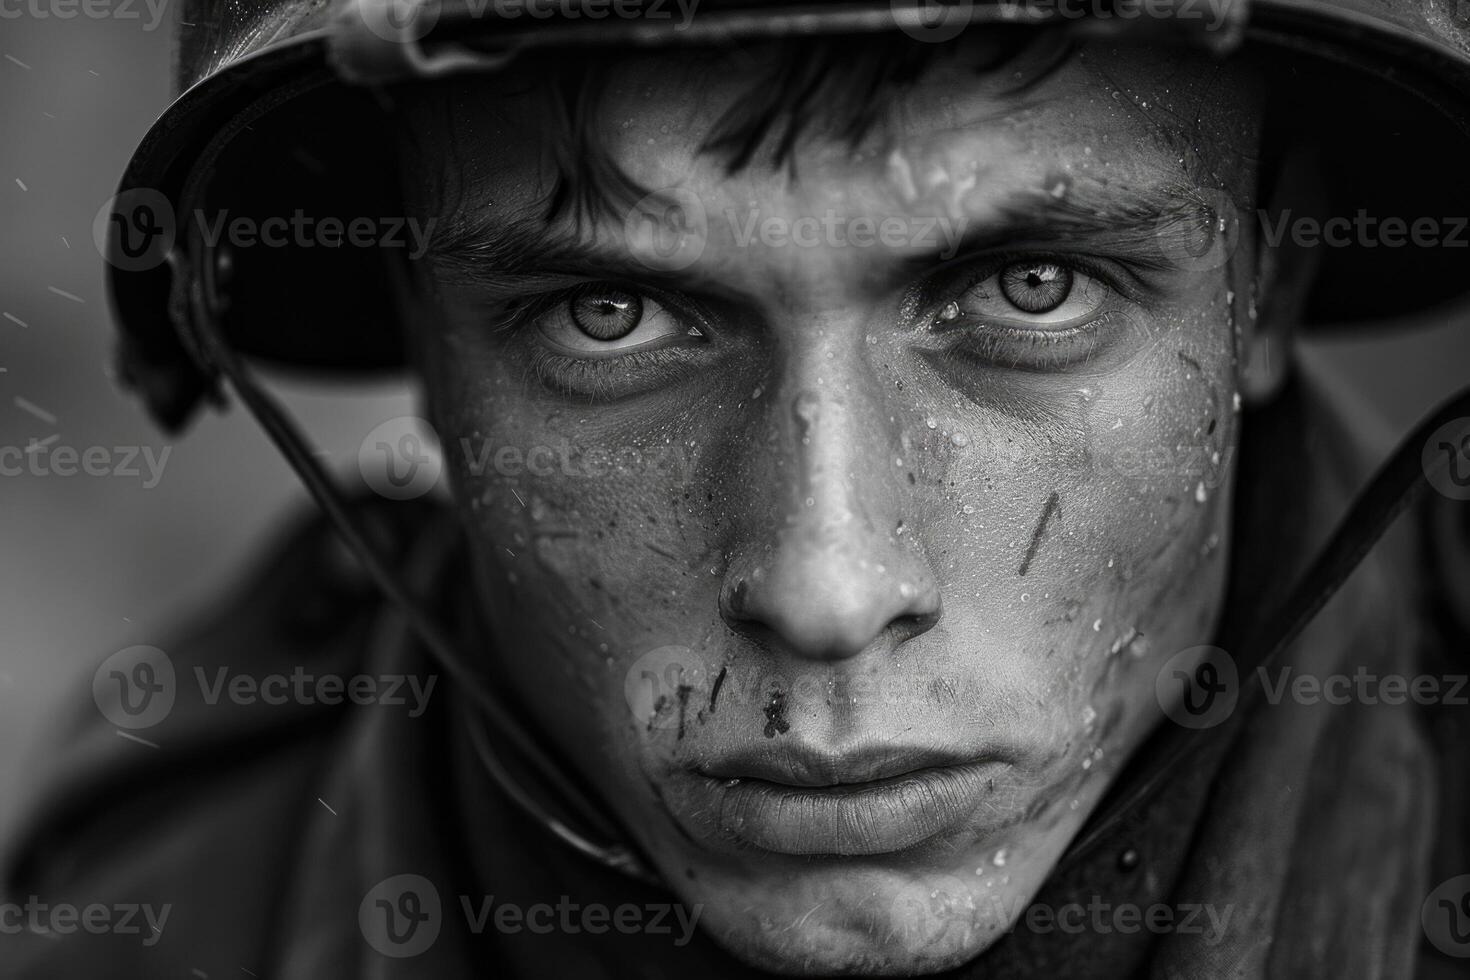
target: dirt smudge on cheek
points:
(775, 710)
(659, 707)
(714, 694)
(1050, 508)
(683, 695)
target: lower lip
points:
(878, 817)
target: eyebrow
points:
(1138, 222)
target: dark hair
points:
(836, 84)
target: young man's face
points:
(839, 542)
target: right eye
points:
(607, 321)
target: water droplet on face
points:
(1089, 715)
(999, 860)
(931, 423)
(959, 440)
(758, 392)
(1200, 493)
(806, 408)
(1025, 597)
(1097, 626)
(968, 509)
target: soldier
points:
(886, 518)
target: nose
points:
(834, 570)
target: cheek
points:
(1080, 557)
(592, 537)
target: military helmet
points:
(287, 108)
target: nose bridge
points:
(837, 433)
(833, 573)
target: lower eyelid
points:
(1023, 348)
(610, 377)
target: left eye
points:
(1033, 293)
(606, 320)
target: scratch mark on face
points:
(1050, 508)
(661, 551)
(1190, 362)
(683, 694)
(776, 723)
(714, 694)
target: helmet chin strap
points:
(1399, 482)
(493, 716)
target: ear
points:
(1284, 273)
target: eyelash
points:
(994, 345)
(992, 263)
(590, 377)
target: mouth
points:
(809, 803)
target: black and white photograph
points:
(694, 489)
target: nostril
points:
(739, 598)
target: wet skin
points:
(849, 569)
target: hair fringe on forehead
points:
(834, 85)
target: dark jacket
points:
(264, 828)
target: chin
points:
(885, 923)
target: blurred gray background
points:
(89, 565)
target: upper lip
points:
(804, 765)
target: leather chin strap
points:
(1399, 482)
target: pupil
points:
(607, 315)
(1034, 287)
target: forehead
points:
(960, 141)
